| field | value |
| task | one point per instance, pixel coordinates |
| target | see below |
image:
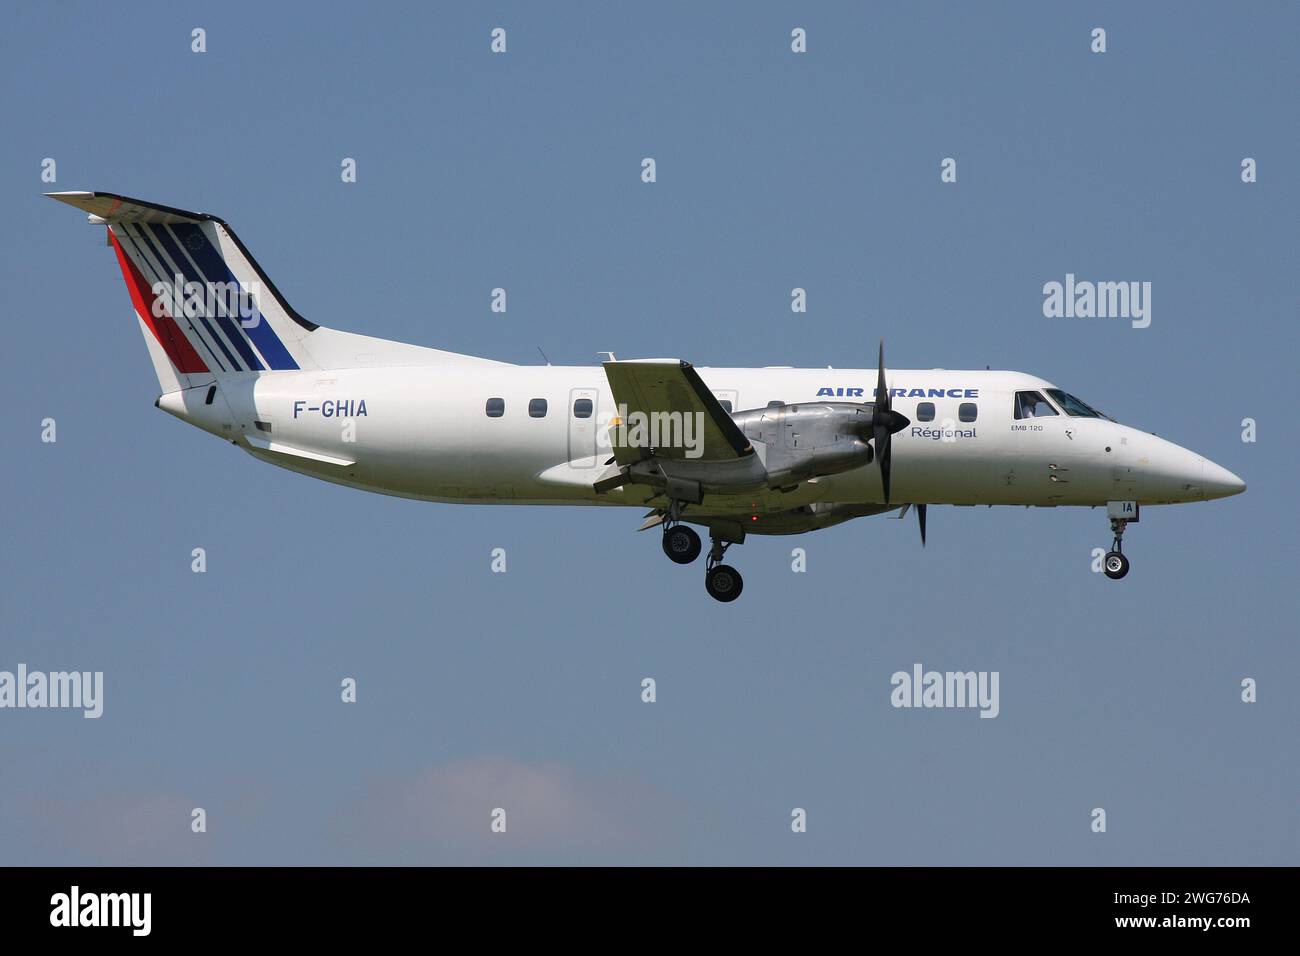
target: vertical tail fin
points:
(208, 310)
(205, 306)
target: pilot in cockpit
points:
(1032, 405)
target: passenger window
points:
(496, 407)
(537, 408)
(967, 411)
(1032, 405)
(726, 405)
(925, 412)
(582, 408)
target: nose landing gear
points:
(1115, 565)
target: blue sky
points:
(522, 690)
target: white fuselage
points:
(424, 432)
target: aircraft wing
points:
(671, 393)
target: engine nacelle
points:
(809, 440)
(794, 443)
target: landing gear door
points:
(584, 416)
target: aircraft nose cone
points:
(1218, 482)
(1170, 473)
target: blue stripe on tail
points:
(165, 240)
(214, 267)
(186, 273)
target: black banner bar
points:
(1170, 905)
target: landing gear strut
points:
(722, 581)
(1115, 565)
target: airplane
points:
(737, 451)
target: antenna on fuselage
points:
(544, 358)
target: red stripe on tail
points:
(163, 327)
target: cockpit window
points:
(1033, 405)
(1075, 407)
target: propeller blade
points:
(882, 391)
(920, 518)
(882, 455)
(884, 422)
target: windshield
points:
(1075, 406)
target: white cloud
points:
(553, 813)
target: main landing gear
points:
(722, 581)
(1115, 564)
(682, 545)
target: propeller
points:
(884, 422)
(920, 517)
